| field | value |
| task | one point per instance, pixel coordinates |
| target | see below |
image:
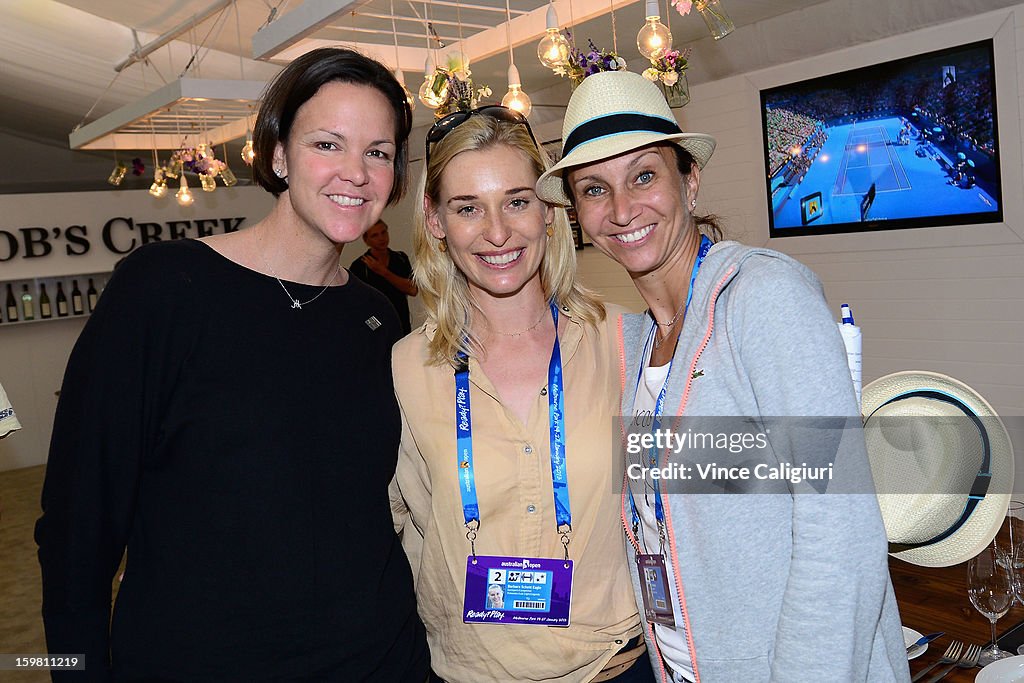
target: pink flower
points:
(683, 6)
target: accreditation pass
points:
(517, 590)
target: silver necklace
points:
(295, 302)
(671, 322)
(528, 329)
(671, 325)
(659, 342)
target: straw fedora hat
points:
(942, 462)
(614, 112)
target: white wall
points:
(33, 354)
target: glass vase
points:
(678, 94)
(718, 22)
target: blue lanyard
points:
(659, 408)
(556, 415)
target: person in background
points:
(760, 584)
(388, 271)
(508, 390)
(213, 422)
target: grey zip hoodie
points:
(774, 587)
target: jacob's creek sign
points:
(62, 234)
(119, 235)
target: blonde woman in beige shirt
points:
(512, 329)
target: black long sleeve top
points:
(398, 263)
(240, 450)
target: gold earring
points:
(442, 246)
(551, 230)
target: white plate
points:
(910, 636)
(1009, 670)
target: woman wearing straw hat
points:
(778, 587)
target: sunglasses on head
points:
(453, 121)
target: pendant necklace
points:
(670, 325)
(295, 302)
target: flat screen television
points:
(909, 143)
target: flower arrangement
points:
(450, 87)
(669, 72)
(199, 160)
(582, 64)
(668, 67)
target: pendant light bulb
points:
(515, 99)
(183, 195)
(434, 89)
(248, 153)
(654, 39)
(553, 49)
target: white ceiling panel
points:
(57, 57)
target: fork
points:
(951, 656)
(968, 661)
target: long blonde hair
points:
(442, 285)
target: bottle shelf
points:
(64, 298)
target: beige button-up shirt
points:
(512, 462)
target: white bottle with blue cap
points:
(852, 341)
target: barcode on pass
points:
(528, 604)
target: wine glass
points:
(1011, 534)
(990, 588)
(1018, 580)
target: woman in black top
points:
(227, 416)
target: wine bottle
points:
(62, 301)
(28, 309)
(45, 311)
(12, 305)
(91, 295)
(76, 299)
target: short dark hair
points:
(379, 222)
(299, 82)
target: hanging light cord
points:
(615, 41)
(508, 32)
(238, 38)
(572, 25)
(221, 16)
(98, 100)
(458, 18)
(394, 32)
